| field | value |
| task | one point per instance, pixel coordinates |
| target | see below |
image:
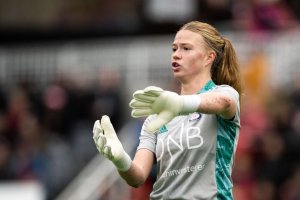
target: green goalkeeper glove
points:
(109, 145)
(166, 104)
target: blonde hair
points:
(225, 68)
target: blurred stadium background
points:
(63, 64)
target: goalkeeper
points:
(192, 136)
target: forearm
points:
(134, 176)
(217, 103)
(140, 168)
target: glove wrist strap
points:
(124, 163)
(190, 103)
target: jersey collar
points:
(208, 86)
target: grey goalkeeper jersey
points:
(194, 153)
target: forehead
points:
(188, 37)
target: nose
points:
(176, 54)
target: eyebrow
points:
(173, 44)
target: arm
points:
(217, 103)
(140, 168)
(167, 105)
(134, 172)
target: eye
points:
(186, 48)
(174, 49)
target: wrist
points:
(190, 103)
(123, 164)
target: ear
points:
(211, 56)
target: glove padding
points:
(166, 104)
(109, 145)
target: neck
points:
(193, 87)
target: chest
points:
(186, 134)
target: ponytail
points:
(225, 69)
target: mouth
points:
(175, 66)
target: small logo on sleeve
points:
(163, 129)
(195, 116)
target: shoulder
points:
(235, 96)
(228, 90)
(146, 122)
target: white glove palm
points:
(109, 145)
(166, 104)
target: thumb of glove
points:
(161, 119)
(113, 142)
(108, 128)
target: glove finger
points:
(97, 130)
(138, 92)
(148, 95)
(153, 91)
(157, 123)
(107, 127)
(148, 98)
(139, 104)
(136, 113)
(107, 152)
(101, 142)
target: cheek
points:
(196, 60)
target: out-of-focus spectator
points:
(55, 101)
(107, 95)
(243, 175)
(3, 100)
(294, 5)
(29, 159)
(6, 170)
(18, 106)
(272, 164)
(263, 15)
(264, 190)
(272, 15)
(218, 12)
(291, 188)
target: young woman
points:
(192, 136)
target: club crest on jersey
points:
(195, 116)
(163, 129)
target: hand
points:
(166, 104)
(109, 145)
(154, 100)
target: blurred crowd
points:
(267, 162)
(46, 135)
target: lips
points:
(175, 66)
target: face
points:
(191, 58)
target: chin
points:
(177, 76)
